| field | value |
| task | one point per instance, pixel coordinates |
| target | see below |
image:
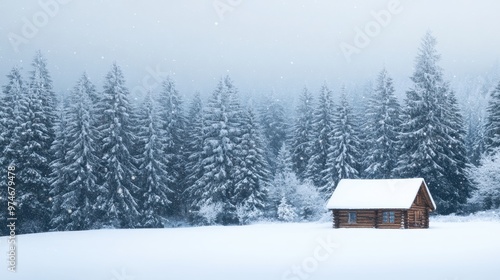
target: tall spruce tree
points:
(13, 97)
(33, 165)
(119, 206)
(284, 163)
(343, 154)
(251, 173)
(432, 138)
(283, 186)
(155, 179)
(323, 124)
(220, 155)
(173, 129)
(93, 97)
(13, 94)
(475, 138)
(59, 178)
(274, 127)
(302, 133)
(492, 137)
(382, 127)
(41, 84)
(34, 136)
(456, 154)
(194, 145)
(75, 187)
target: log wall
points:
(374, 218)
(367, 219)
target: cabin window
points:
(352, 218)
(388, 217)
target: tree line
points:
(97, 160)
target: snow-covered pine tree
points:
(194, 146)
(301, 197)
(90, 89)
(284, 162)
(274, 125)
(474, 140)
(302, 133)
(492, 135)
(343, 154)
(383, 125)
(30, 144)
(173, 131)
(309, 203)
(74, 187)
(33, 161)
(35, 134)
(119, 207)
(456, 152)
(41, 84)
(286, 212)
(251, 172)
(92, 95)
(155, 179)
(284, 181)
(427, 128)
(13, 97)
(486, 177)
(220, 155)
(13, 94)
(320, 145)
(59, 178)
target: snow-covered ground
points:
(446, 251)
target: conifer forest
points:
(96, 158)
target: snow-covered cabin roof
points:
(376, 194)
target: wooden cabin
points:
(381, 203)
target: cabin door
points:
(419, 219)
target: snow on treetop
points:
(376, 194)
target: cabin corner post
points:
(376, 219)
(427, 218)
(403, 220)
(333, 219)
(336, 219)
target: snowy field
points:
(447, 251)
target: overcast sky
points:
(264, 45)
